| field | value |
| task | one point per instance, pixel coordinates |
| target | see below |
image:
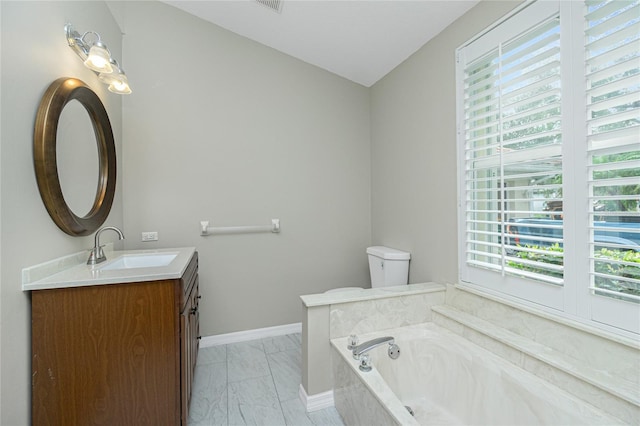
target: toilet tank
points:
(388, 266)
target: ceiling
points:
(361, 40)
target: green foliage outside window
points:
(622, 270)
(547, 257)
(617, 263)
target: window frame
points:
(574, 300)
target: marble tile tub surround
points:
(366, 316)
(338, 314)
(591, 366)
(444, 378)
(579, 341)
(583, 343)
(360, 404)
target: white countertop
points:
(73, 271)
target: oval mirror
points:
(78, 179)
(71, 111)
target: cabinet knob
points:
(194, 311)
(199, 337)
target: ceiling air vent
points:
(275, 5)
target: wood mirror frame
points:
(59, 93)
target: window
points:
(549, 159)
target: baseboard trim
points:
(317, 401)
(243, 336)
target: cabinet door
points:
(189, 326)
(185, 356)
(105, 355)
(195, 326)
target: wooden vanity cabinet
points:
(115, 354)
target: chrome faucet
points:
(97, 255)
(370, 344)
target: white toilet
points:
(387, 266)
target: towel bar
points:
(205, 229)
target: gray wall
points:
(223, 129)
(34, 53)
(413, 150)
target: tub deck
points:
(447, 380)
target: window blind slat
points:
(479, 86)
(490, 134)
(515, 85)
(533, 39)
(541, 138)
(619, 165)
(615, 101)
(613, 21)
(535, 61)
(608, 74)
(602, 11)
(485, 70)
(629, 115)
(552, 96)
(614, 141)
(520, 157)
(548, 84)
(488, 116)
(536, 125)
(619, 181)
(480, 100)
(619, 53)
(607, 42)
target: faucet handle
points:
(352, 342)
(365, 362)
(393, 351)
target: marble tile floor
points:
(253, 383)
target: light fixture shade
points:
(99, 59)
(120, 85)
(96, 57)
(108, 78)
(116, 75)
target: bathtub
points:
(447, 380)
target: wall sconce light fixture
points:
(97, 57)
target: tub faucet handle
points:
(352, 342)
(365, 362)
(393, 351)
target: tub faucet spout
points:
(373, 343)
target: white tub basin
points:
(131, 261)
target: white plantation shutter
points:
(612, 48)
(531, 161)
(512, 152)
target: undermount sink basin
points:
(131, 261)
